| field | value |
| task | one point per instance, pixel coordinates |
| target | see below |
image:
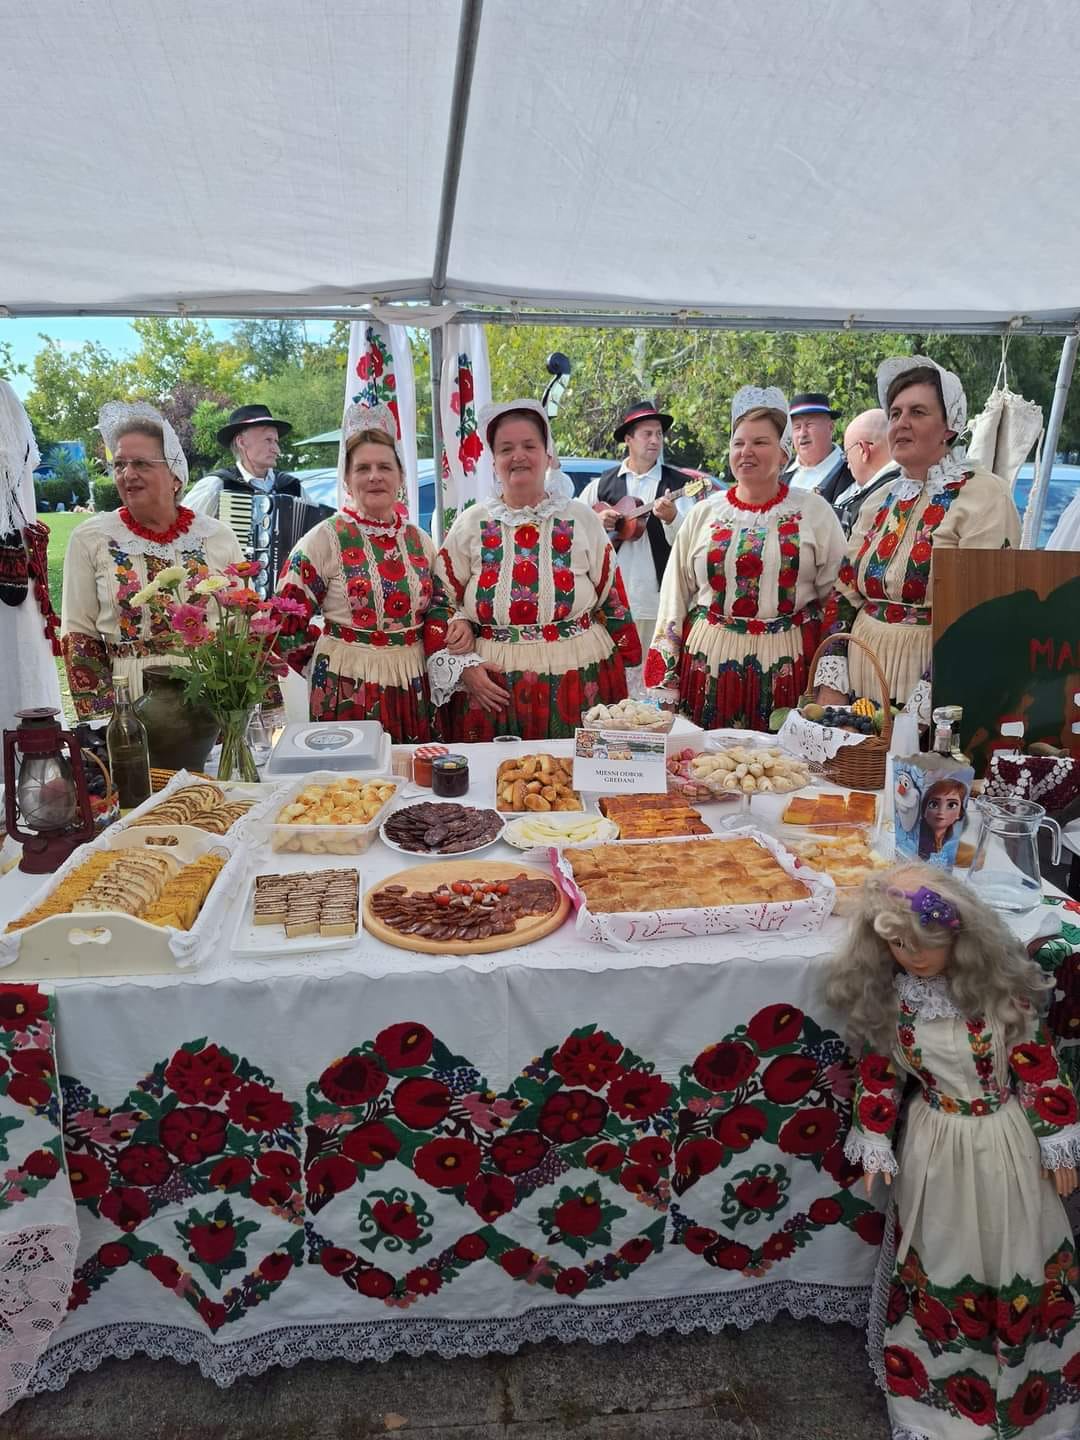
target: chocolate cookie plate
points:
(441, 828)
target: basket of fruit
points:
(861, 765)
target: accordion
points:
(268, 526)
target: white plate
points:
(270, 940)
(436, 854)
(606, 830)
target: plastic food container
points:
(298, 837)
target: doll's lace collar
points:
(928, 998)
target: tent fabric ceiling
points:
(763, 158)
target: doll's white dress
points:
(974, 1326)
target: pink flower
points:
(488, 1115)
(284, 606)
(106, 1129)
(15, 1194)
(244, 569)
(264, 625)
(189, 622)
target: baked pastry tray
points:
(629, 928)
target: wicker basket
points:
(856, 767)
(160, 778)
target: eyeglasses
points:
(142, 468)
(863, 446)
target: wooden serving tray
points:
(445, 872)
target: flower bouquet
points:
(226, 633)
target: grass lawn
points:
(60, 528)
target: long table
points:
(381, 1151)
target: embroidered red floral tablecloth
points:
(268, 1171)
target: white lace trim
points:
(875, 1156)
(225, 1363)
(930, 999)
(1061, 1151)
(832, 670)
(36, 1270)
(498, 509)
(879, 1298)
(376, 527)
(445, 672)
(202, 527)
(948, 471)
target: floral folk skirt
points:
(365, 682)
(728, 678)
(551, 686)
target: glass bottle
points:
(947, 720)
(129, 750)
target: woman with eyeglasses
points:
(113, 555)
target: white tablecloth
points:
(382, 1151)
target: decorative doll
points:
(973, 1329)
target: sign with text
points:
(620, 761)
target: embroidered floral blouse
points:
(105, 565)
(977, 1083)
(752, 570)
(372, 582)
(530, 575)
(887, 570)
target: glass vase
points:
(236, 761)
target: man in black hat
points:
(646, 479)
(819, 462)
(254, 437)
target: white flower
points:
(171, 575)
(146, 593)
(210, 584)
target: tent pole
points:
(436, 355)
(468, 34)
(1033, 516)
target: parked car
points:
(1064, 484)
(320, 486)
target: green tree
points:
(269, 345)
(172, 351)
(69, 388)
(8, 368)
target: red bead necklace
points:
(180, 526)
(733, 499)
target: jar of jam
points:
(422, 760)
(450, 776)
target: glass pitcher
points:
(1005, 866)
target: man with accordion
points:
(264, 508)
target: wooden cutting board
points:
(445, 872)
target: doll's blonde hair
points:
(989, 973)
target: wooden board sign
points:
(1007, 647)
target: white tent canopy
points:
(843, 161)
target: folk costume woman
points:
(740, 606)
(113, 555)
(368, 570)
(538, 628)
(938, 500)
(974, 1329)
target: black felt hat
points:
(246, 416)
(812, 402)
(642, 410)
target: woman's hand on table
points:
(1064, 1180)
(826, 695)
(459, 636)
(486, 685)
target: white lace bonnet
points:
(763, 397)
(558, 485)
(952, 391)
(116, 414)
(18, 456)
(364, 417)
